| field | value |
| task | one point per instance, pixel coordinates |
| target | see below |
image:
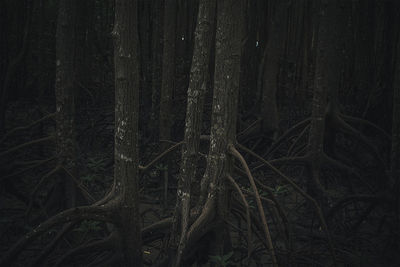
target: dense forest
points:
(200, 133)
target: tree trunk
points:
(395, 151)
(65, 92)
(224, 111)
(156, 71)
(168, 70)
(199, 79)
(277, 13)
(126, 60)
(327, 81)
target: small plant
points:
(161, 167)
(87, 179)
(280, 189)
(96, 164)
(222, 260)
(88, 226)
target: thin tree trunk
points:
(168, 69)
(126, 60)
(277, 13)
(395, 151)
(327, 81)
(156, 71)
(65, 92)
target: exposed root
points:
(301, 192)
(172, 148)
(50, 247)
(96, 213)
(26, 127)
(248, 220)
(236, 154)
(299, 137)
(33, 142)
(348, 129)
(278, 142)
(103, 244)
(81, 187)
(37, 187)
(368, 123)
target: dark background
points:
(277, 80)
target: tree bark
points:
(65, 92)
(199, 79)
(326, 83)
(224, 111)
(168, 70)
(277, 12)
(126, 60)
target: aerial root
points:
(267, 233)
(99, 245)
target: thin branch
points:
(267, 233)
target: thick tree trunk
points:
(65, 92)
(126, 60)
(223, 121)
